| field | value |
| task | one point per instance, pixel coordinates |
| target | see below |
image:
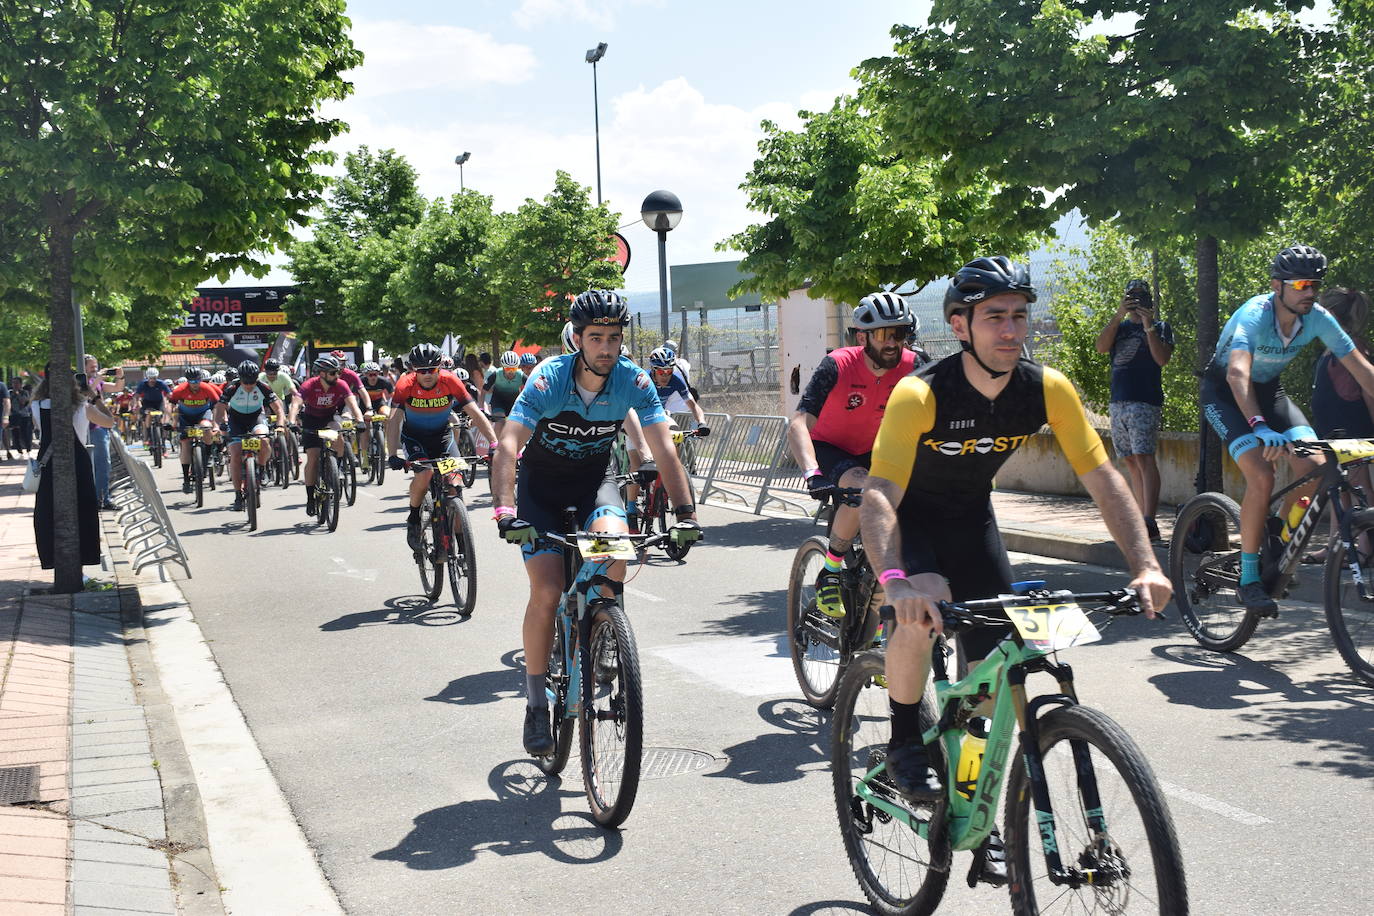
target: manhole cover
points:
(18, 785)
(662, 762)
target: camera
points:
(1138, 295)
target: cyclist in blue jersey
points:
(1246, 405)
(566, 420)
(672, 387)
(152, 394)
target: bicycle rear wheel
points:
(813, 638)
(431, 578)
(1125, 840)
(1204, 566)
(899, 871)
(556, 683)
(612, 720)
(1349, 614)
(250, 490)
(462, 558)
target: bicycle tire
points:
(155, 446)
(462, 558)
(295, 455)
(332, 495)
(250, 491)
(1154, 869)
(611, 724)
(813, 639)
(348, 475)
(899, 872)
(1208, 524)
(198, 475)
(431, 577)
(376, 463)
(282, 459)
(556, 683)
(467, 449)
(1349, 616)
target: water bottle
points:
(1295, 515)
(971, 757)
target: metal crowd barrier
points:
(149, 535)
(748, 454)
(698, 454)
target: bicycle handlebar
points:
(570, 540)
(966, 614)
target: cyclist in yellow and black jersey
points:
(927, 518)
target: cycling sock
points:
(833, 562)
(1249, 568)
(535, 697)
(414, 515)
(906, 723)
(185, 472)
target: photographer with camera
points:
(1139, 346)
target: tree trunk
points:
(1209, 469)
(62, 463)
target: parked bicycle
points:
(1078, 783)
(1204, 557)
(446, 541)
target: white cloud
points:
(407, 57)
(600, 13)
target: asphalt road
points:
(393, 728)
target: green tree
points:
(1190, 124)
(549, 251)
(146, 145)
(848, 214)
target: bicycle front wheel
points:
(250, 490)
(198, 475)
(329, 497)
(155, 444)
(1350, 614)
(1204, 566)
(427, 557)
(462, 558)
(813, 638)
(899, 871)
(1115, 836)
(612, 720)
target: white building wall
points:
(807, 329)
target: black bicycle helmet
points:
(326, 363)
(271, 365)
(881, 310)
(425, 356)
(983, 278)
(599, 306)
(194, 375)
(1300, 262)
(231, 375)
(248, 372)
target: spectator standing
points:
(21, 417)
(1139, 347)
(88, 412)
(5, 419)
(99, 438)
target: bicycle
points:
(1204, 558)
(155, 436)
(1078, 782)
(821, 646)
(653, 497)
(594, 676)
(466, 446)
(328, 487)
(196, 438)
(281, 457)
(252, 493)
(348, 463)
(446, 536)
(376, 446)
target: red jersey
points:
(428, 409)
(848, 400)
(194, 402)
(319, 400)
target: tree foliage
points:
(849, 215)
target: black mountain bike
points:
(376, 447)
(328, 486)
(446, 541)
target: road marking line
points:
(367, 575)
(1215, 805)
(644, 595)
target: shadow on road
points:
(761, 613)
(415, 609)
(1332, 712)
(758, 531)
(487, 686)
(800, 744)
(525, 816)
(824, 907)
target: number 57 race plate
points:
(1048, 627)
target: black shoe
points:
(310, 501)
(989, 862)
(186, 485)
(908, 769)
(108, 506)
(1255, 598)
(538, 734)
(238, 503)
(1152, 529)
(413, 534)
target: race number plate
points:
(252, 444)
(328, 435)
(347, 424)
(1048, 627)
(1348, 450)
(451, 466)
(611, 548)
(195, 432)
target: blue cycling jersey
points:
(1254, 328)
(573, 439)
(152, 391)
(676, 386)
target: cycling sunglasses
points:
(1301, 285)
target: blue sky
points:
(683, 87)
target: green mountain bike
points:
(1078, 782)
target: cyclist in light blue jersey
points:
(566, 420)
(1246, 405)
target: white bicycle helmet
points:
(662, 358)
(881, 310)
(569, 346)
(510, 359)
(150, 373)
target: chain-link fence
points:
(728, 349)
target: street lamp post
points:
(661, 212)
(459, 160)
(594, 55)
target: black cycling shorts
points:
(541, 501)
(834, 461)
(311, 424)
(1233, 427)
(420, 444)
(185, 422)
(966, 548)
(241, 425)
